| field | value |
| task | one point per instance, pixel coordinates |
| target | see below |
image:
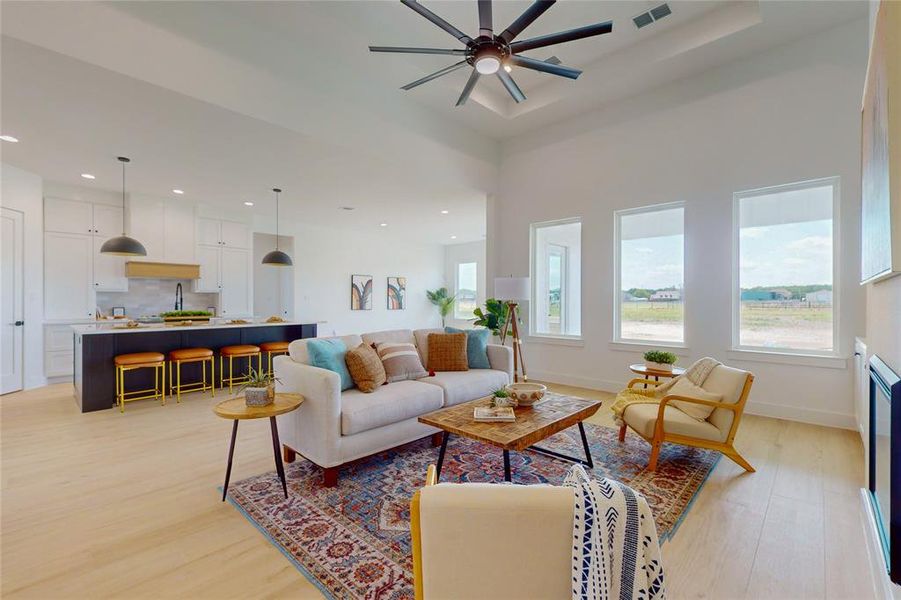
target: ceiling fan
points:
(491, 54)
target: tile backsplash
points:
(146, 297)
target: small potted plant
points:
(500, 397)
(658, 360)
(259, 388)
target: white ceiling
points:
(228, 99)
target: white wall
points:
(455, 254)
(787, 115)
(23, 191)
(273, 287)
(325, 259)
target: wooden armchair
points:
(658, 423)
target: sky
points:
(773, 255)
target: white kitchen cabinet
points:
(68, 276)
(235, 279)
(107, 221)
(234, 234)
(208, 231)
(179, 226)
(208, 257)
(58, 350)
(109, 271)
(147, 224)
(68, 216)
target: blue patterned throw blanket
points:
(616, 555)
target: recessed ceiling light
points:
(508, 68)
(177, 191)
(9, 138)
(383, 224)
(453, 237)
(88, 176)
(444, 212)
(248, 203)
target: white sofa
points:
(333, 427)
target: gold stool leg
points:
(118, 390)
(156, 382)
(163, 387)
(178, 382)
(231, 373)
(212, 377)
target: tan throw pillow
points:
(684, 387)
(365, 368)
(447, 352)
(401, 361)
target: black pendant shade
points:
(123, 245)
(277, 258)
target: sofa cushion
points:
(462, 386)
(476, 346)
(388, 404)
(365, 368)
(401, 336)
(422, 342)
(643, 417)
(329, 354)
(447, 352)
(297, 349)
(401, 361)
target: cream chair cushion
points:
(643, 417)
(297, 349)
(684, 387)
(729, 382)
(496, 541)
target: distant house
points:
(781, 294)
(765, 295)
(666, 296)
(820, 297)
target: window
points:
(649, 274)
(557, 278)
(466, 291)
(784, 274)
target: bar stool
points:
(140, 360)
(248, 351)
(272, 348)
(191, 355)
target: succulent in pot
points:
(500, 397)
(259, 388)
(659, 360)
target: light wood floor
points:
(109, 505)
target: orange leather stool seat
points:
(139, 358)
(274, 346)
(239, 350)
(186, 354)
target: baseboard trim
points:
(763, 409)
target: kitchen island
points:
(96, 345)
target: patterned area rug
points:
(353, 541)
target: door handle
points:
(19, 323)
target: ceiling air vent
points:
(655, 14)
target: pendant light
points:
(277, 258)
(123, 245)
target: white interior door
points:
(11, 304)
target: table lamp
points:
(511, 290)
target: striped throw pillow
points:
(401, 361)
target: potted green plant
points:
(659, 360)
(186, 315)
(443, 300)
(493, 317)
(500, 397)
(259, 387)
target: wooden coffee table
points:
(554, 414)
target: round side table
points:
(641, 369)
(236, 410)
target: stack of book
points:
(500, 414)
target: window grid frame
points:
(457, 265)
(533, 280)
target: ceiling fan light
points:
(508, 68)
(487, 65)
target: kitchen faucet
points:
(179, 297)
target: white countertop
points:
(111, 327)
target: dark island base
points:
(95, 372)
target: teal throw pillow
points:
(329, 354)
(476, 346)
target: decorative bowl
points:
(526, 394)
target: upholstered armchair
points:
(481, 540)
(663, 422)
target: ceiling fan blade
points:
(562, 36)
(467, 89)
(544, 66)
(553, 60)
(525, 19)
(511, 86)
(403, 50)
(485, 26)
(435, 75)
(422, 10)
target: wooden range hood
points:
(136, 269)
